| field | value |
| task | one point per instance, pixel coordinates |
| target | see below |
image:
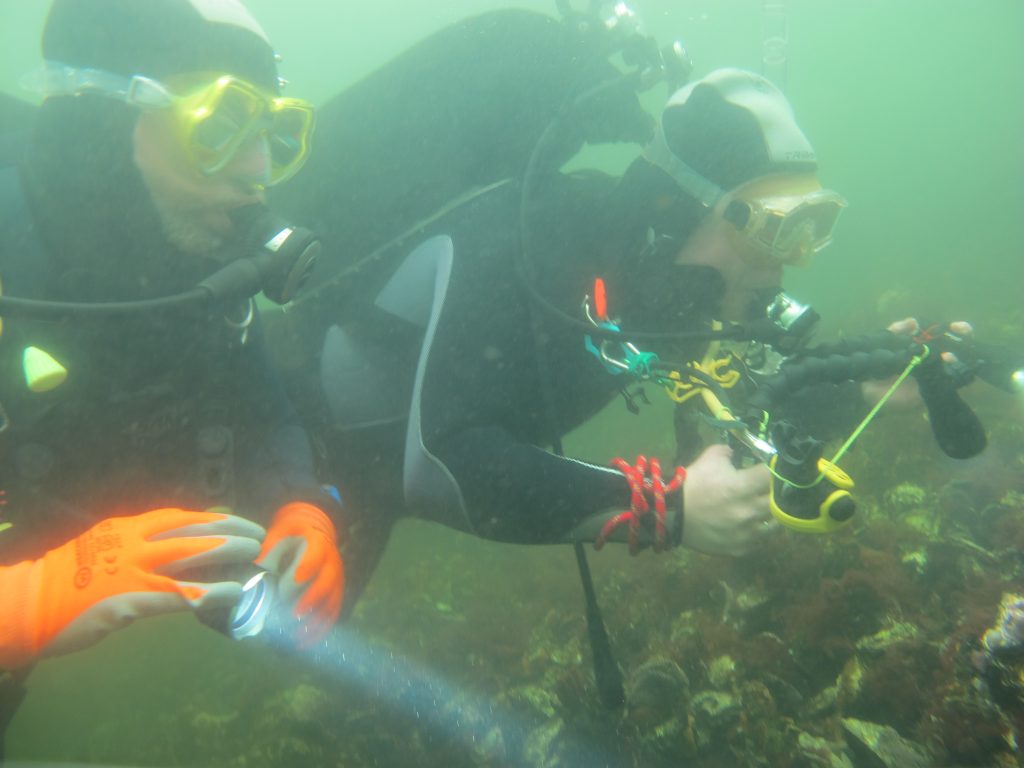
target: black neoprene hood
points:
(159, 38)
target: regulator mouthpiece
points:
(295, 252)
(277, 258)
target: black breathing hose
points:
(53, 310)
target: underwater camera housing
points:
(792, 317)
(782, 322)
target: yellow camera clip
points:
(823, 506)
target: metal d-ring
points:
(243, 325)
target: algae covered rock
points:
(722, 672)
(1000, 659)
(879, 746)
(714, 714)
(815, 752)
(906, 497)
(657, 691)
(895, 632)
(302, 704)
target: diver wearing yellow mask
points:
(214, 115)
(143, 182)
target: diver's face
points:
(194, 207)
(748, 269)
(715, 244)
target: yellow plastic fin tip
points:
(42, 371)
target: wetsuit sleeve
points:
(518, 493)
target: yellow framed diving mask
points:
(216, 113)
(215, 120)
(788, 228)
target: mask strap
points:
(659, 154)
(56, 79)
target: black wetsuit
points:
(398, 153)
(177, 408)
(501, 381)
(430, 145)
(486, 412)
(15, 119)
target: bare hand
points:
(909, 326)
(907, 395)
(725, 509)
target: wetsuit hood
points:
(93, 210)
(95, 213)
(159, 38)
(645, 223)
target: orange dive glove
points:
(302, 549)
(121, 569)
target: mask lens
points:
(808, 228)
(791, 228)
(221, 118)
(288, 137)
(221, 122)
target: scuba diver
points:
(441, 384)
(142, 429)
(456, 354)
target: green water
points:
(917, 113)
(915, 108)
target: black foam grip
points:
(957, 429)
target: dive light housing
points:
(253, 612)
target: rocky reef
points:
(897, 642)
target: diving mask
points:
(216, 116)
(787, 216)
(216, 119)
(788, 228)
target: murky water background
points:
(916, 110)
